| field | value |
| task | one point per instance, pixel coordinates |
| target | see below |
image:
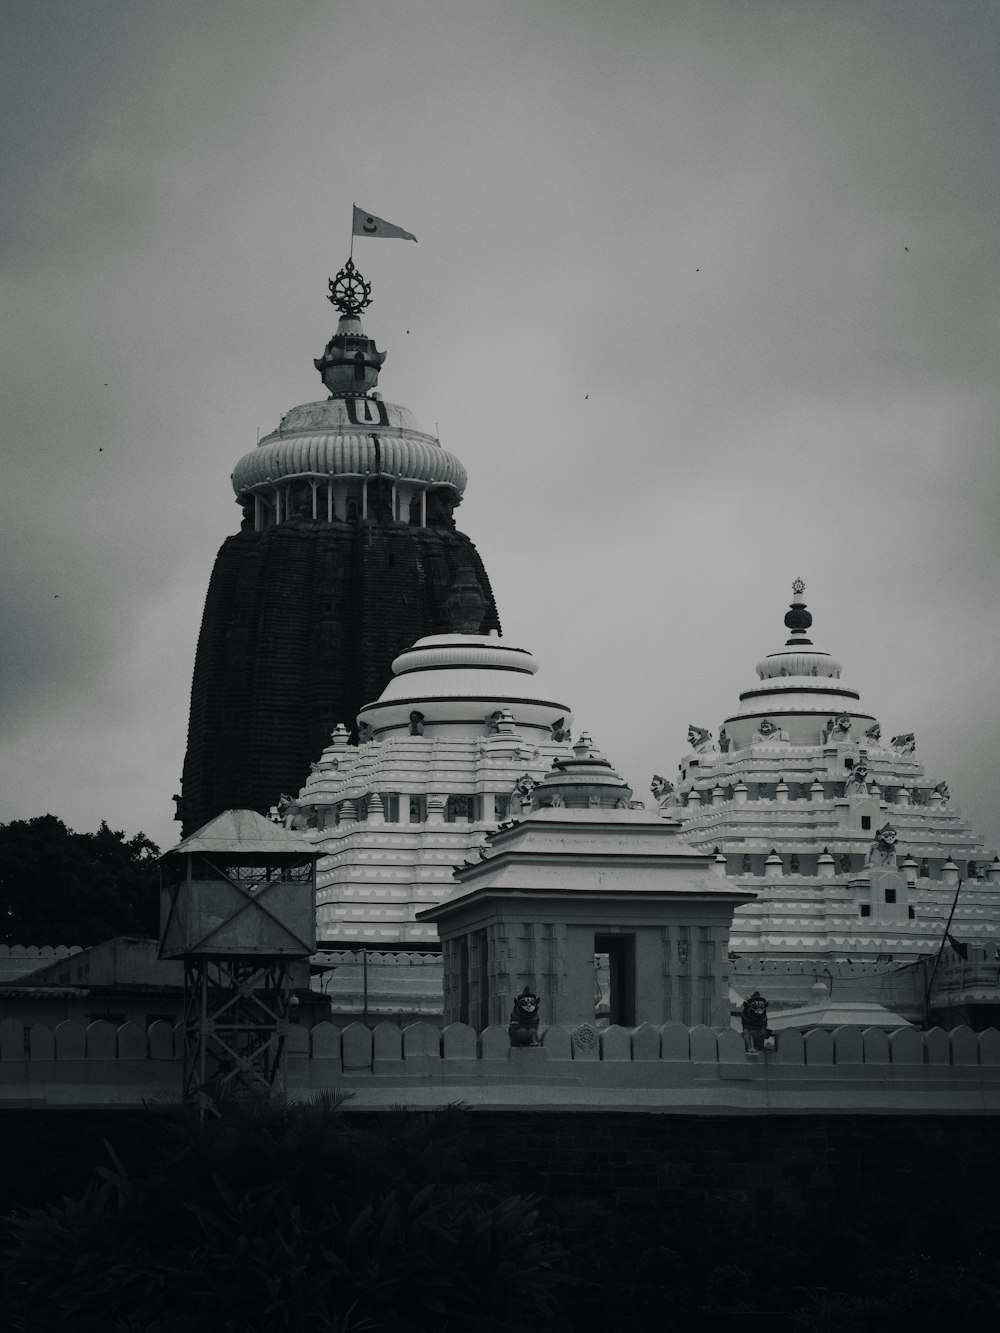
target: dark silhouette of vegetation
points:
(61, 887)
(281, 1219)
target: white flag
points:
(366, 224)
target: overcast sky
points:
(705, 298)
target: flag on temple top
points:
(961, 949)
(366, 224)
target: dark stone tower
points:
(348, 552)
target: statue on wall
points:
(365, 732)
(416, 723)
(857, 781)
(560, 732)
(523, 1028)
(523, 789)
(756, 1033)
(768, 732)
(904, 743)
(662, 789)
(874, 732)
(699, 739)
(882, 852)
(942, 791)
(724, 741)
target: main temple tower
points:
(347, 553)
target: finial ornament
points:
(349, 291)
(798, 587)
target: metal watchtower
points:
(238, 907)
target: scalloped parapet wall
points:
(666, 1069)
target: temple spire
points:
(350, 363)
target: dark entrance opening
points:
(619, 977)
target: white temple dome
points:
(349, 437)
(459, 680)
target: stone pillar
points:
(902, 798)
(435, 808)
(489, 808)
(773, 868)
(718, 796)
(825, 864)
(949, 874)
(376, 809)
(740, 794)
(781, 792)
(909, 869)
(816, 790)
(423, 508)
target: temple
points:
(347, 553)
(855, 854)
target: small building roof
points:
(830, 1013)
(244, 833)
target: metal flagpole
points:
(937, 960)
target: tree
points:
(61, 887)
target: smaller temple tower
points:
(854, 853)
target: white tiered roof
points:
(792, 794)
(459, 724)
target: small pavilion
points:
(584, 875)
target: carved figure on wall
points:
(794, 865)
(523, 1028)
(874, 732)
(905, 743)
(747, 868)
(365, 732)
(756, 1033)
(560, 732)
(942, 790)
(416, 723)
(699, 738)
(724, 741)
(493, 723)
(828, 726)
(662, 789)
(523, 789)
(768, 732)
(857, 781)
(882, 852)
(845, 863)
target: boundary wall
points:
(668, 1069)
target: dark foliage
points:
(61, 887)
(278, 1218)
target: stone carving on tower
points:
(347, 553)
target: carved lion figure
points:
(882, 852)
(523, 1028)
(905, 743)
(698, 737)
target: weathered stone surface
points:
(301, 623)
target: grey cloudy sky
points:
(761, 236)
